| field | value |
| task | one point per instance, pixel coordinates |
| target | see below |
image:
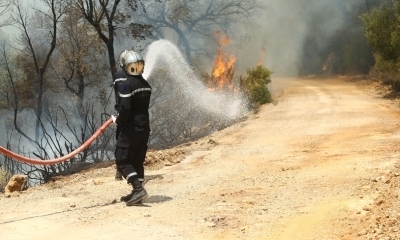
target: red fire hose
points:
(60, 159)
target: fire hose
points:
(60, 159)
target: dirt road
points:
(299, 169)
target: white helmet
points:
(132, 62)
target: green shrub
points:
(387, 71)
(382, 29)
(255, 85)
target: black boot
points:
(118, 175)
(129, 196)
(138, 193)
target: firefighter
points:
(133, 120)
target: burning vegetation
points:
(222, 76)
(253, 85)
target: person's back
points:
(138, 91)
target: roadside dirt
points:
(320, 163)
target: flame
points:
(223, 70)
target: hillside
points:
(320, 163)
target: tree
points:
(80, 63)
(12, 91)
(4, 6)
(58, 139)
(382, 30)
(106, 16)
(61, 41)
(193, 23)
(39, 56)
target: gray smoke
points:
(284, 27)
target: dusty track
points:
(298, 169)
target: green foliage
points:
(386, 66)
(255, 85)
(387, 72)
(382, 29)
(4, 178)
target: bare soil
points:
(322, 162)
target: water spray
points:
(163, 54)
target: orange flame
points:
(223, 70)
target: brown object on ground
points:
(17, 183)
(321, 163)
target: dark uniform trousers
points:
(131, 150)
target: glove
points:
(114, 118)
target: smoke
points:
(285, 27)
